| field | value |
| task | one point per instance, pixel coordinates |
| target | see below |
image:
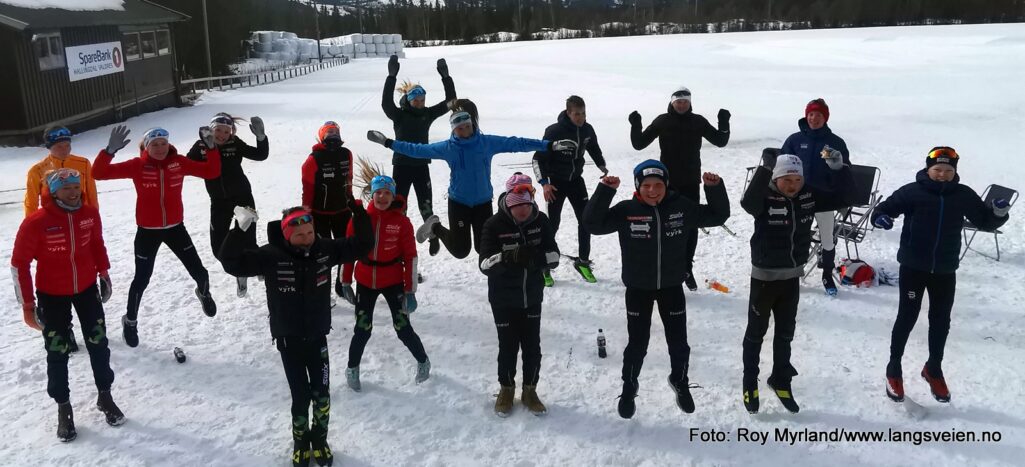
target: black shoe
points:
(627, 407)
(105, 402)
(130, 331)
(751, 397)
(420, 279)
(683, 398)
(434, 246)
(209, 307)
(828, 284)
(785, 395)
(322, 453)
(692, 284)
(300, 453)
(65, 423)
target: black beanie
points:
(942, 155)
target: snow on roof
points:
(70, 5)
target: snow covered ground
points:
(893, 93)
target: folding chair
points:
(992, 192)
(852, 224)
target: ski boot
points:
(784, 393)
(242, 289)
(321, 452)
(301, 453)
(130, 331)
(423, 371)
(504, 402)
(65, 423)
(548, 278)
(626, 406)
(209, 307)
(894, 382)
(352, 379)
(751, 397)
(683, 398)
(827, 260)
(113, 415)
(937, 385)
(692, 284)
(583, 267)
(434, 246)
(533, 403)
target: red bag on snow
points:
(855, 272)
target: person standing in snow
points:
(810, 144)
(327, 182)
(562, 177)
(680, 132)
(389, 269)
(934, 207)
(468, 153)
(232, 187)
(159, 174)
(783, 206)
(412, 121)
(65, 239)
(653, 226)
(517, 246)
(296, 265)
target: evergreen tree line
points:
(470, 21)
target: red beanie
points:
(322, 132)
(817, 105)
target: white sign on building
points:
(90, 61)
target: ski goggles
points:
(60, 177)
(222, 120)
(298, 218)
(683, 94)
(57, 135)
(417, 91)
(942, 153)
(154, 134)
(459, 119)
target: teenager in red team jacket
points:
(159, 174)
(65, 239)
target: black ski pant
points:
(147, 243)
(461, 219)
(366, 299)
(222, 211)
(913, 286)
(55, 311)
(672, 308)
(518, 329)
(693, 193)
(768, 299)
(308, 372)
(576, 192)
(331, 225)
(419, 176)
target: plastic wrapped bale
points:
(368, 38)
(289, 35)
(263, 47)
(400, 46)
(356, 38)
(266, 37)
(378, 39)
(360, 49)
(386, 38)
(361, 55)
(396, 38)
(348, 49)
(280, 45)
(371, 48)
(333, 49)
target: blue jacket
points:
(807, 144)
(470, 161)
(930, 240)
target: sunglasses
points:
(222, 120)
(681, 94)
(300, 220)
(58, 133)
(157, 133)
(416, 92)
(523, 188)
(939, 153)
(459, 118)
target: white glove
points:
(245, 217)
(834, 159)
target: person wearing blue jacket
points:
(812, 144)
(934, 206)
(468, 153)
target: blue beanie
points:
(382, 182)
(650, 168)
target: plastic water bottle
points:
(179, 355)
(716, 285)
(601, 345)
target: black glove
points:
(356, 208)
(393, 66)
(769, 156)
(635, 118)
(442, 68)
(522, 255)
(379, 138)
(256, 126)
(118, 139)
(724, 115)
(206, 135)
(345, 291)
(105, 288)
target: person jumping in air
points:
(517, 246)
(389, 269)
(783, 207)
(296, 266)
(653, 226)
(562, 176)
(468, 153)
(412, 120)
(65, 239)
(232, 187)
(934, 207)
(159, 174)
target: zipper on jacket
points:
(163, 210)
(325, 195)
(658, 249)
(576, 152)
(523, 238)
(793, 230)
(74, 268)
(377, 254)
(939, 228)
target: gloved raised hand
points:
(883, 221)
(523, 256)
(833, 158)
(357, 209)
(566, 146)
(393, 66)
(1001, 207)
(724, 116)
(32, 316)
(379, 138)
(256, 126)
(408, 303)
(118, 139)
(245, 217)
(105, 288)
(442, 68)
(345, 291)
(634, 118)
(206, 135)
(769, 156)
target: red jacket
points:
(158, 184)
(393, 259)
(67, 247)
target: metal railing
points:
(220, 83)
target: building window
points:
(164, 42)
(130, 43)
(149, 44)
(49, 51)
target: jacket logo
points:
(640, 228)
(804, 145)
(55, 228)
(86, 223)
(639, 218)
(286, 289)
(778, 211)
(676, 215)
(392, 229)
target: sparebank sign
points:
(90, 61)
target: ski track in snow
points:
(893, 94)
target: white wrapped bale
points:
(263, 47)
(396, 38)
(266, 36)
(348, 49)
(334, 49)
(356, 38)
(387, 38)
(371, 48)
(378, 38)
(289, 35)
(361, 55)
(360, 49)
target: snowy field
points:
(893, 94)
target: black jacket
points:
(327, 177)
(233, 181)
(412, 124)
(934, 213)
(653, 239)
(807, 144)
(511, 285)
(679, 141)
(782, 234)
(551, 165)
(298, 281)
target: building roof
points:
(135, 12)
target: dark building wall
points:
(13, 111)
